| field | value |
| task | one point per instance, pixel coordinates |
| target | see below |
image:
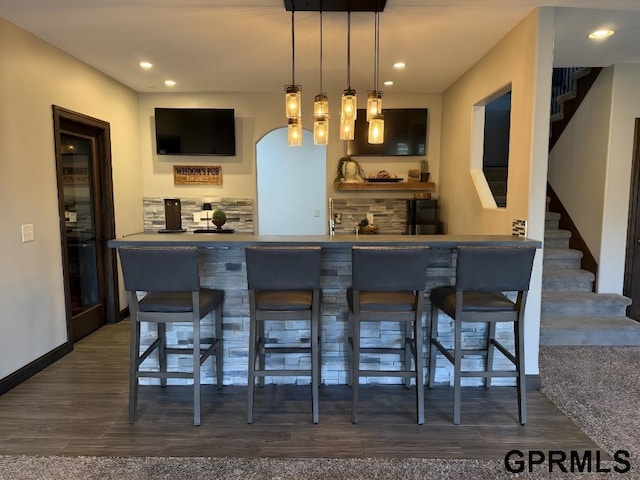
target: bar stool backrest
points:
(160, 269)
(283, 268)
(494, 269)
(389, 269)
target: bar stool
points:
(482, 275)
(169, 277)
(387, 286)
(284, 284)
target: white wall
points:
(523, 59)
(577, 163)
(292, 197)
(590, 169)
(625, 108)
(36, 75)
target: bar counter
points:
(204, 240)
(222, 266)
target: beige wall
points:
(256, 115)
(36, 75)
(522, 59)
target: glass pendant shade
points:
(347, 128)
(374, 104)
(293, 107)
(294, 132)
(349, 105)
(321, 105)
(376, 130)
(321, 130)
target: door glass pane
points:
(78, 194)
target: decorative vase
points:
(219, 223)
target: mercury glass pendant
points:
(292, 101)
(376, 129)
(294, 132)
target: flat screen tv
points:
(405, 134)
(195, 131)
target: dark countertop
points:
(212, 240)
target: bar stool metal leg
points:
(251, 379)
(417, 335)
(432, 348)
(491, 348)
(196, 368)
(219, 348)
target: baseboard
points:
(28, 371)
(124, 313)
(533, 382)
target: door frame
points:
(73, 122)
(633, 223)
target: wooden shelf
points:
(397, 186)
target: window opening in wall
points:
(495, 154)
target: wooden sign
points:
(197, 175)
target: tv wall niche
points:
(195, 131)
(405, 134)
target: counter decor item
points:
(424, 170)
(349, 171)
(366, 228)
(219, 218)
(384, 176)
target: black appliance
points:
(195, 131)
(422, 217)
(172, 216)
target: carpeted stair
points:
(572, 314)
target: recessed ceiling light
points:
(388, 83)
(169, 83)
(600, 34)
(399, 65)
(146, 65)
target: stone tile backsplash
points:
(240, 213)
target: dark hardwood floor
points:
(78, 406)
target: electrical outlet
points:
(316, 213)
(27, 233)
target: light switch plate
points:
(27, 233)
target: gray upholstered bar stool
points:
(284, 284)
(483, 275)
(388, 286)
(169, 277)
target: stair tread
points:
(556, 233)
(567, 274)
(618, 331)
(553, 215)
(585, 297)
(557, 253)
(589, 322)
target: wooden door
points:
(85, 200)
(632, 263)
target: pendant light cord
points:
(293, 44)
(377, 51)
(321, 90)
(349, 48)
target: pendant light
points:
(374, 97)
(321, 105)
(293, 108)
(349, 111)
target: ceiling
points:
(245, 45)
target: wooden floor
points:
(78, 406)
